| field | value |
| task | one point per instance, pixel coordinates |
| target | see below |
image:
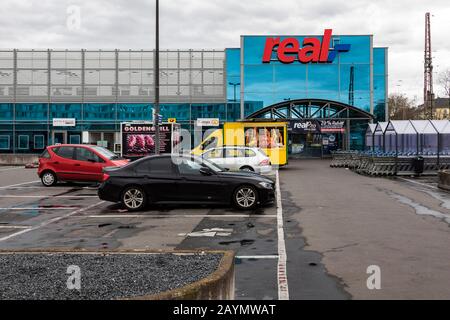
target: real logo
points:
(312, 50)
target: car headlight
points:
(266, 185)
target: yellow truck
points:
(271, 137)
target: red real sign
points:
(312, 51)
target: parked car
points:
(69, 162)
(239, 158)
(186, 179)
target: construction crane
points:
(428, 96)
(351, 87)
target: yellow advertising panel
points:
(271, 137)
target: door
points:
(87, 165)
(159, 179)
(215, 155)
(231, 159)
(63, 163)
(197, 187)
(59, 137)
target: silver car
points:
(240, 158)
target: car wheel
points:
(245, 197)
(49, 179)
(248, 169)
(134, 198)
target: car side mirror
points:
(205, 171)
(92, 160)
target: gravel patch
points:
(103, 276)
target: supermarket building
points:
(328, 87)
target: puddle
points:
(420, 209)
(444, 199)
(244, 242)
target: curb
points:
(444, 180)
(219, 285)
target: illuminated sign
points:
(313, 50)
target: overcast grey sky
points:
(216, 24)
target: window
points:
(214, 154)
(65, 152)
(74, 139)
(45, 154)
(189, 167)
(84, 154)
(23, 142)
(156, 166)
(249, 153)
(4, 142)
(234, 153)
(39, 142)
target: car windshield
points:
(106, 153)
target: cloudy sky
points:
(216, 24)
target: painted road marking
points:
(419, 183)
(18, 184)
(119, 216)
(14, 227)
(38, 208)
(283, 288)
(257, 257)
(46, 223)
(45, 196)
(8, 169)
(208, 233)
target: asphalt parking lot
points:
(326, 228)
(72, 216)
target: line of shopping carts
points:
(391, 163)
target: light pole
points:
(156, 80)
(234, 84)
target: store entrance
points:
(314, 145)
(59, 137)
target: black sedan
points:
(168, 179)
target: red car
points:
(70, 162)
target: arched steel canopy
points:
(311, 109)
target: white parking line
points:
(419, 183)
(257, 257)
(46, 223)
(119, 216)
(283, 288)
(44, 196)
(37, 208)
(18, 184)
(8, 169)
(14, 227)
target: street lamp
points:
(156, 80)
(234, 84)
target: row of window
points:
(120, 112)
(23, 142)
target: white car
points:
(239, 158)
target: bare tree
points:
(401, 107)
(444, 81)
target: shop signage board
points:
(304, 126)
(312, 50)
(138, 138)
(208, 122)
(64, 122)
(332, 126)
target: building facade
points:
(82, 96)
